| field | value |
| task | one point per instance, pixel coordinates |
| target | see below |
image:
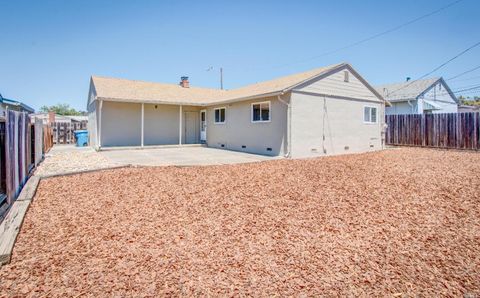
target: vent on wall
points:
(222, 145)
(346, 77)
(243, 146)
(347, 147)
(269, 149)
(371, 146)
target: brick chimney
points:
(184, 82)
(51, 116)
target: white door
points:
(203, 126)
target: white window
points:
(261, 112)
(370, 115)
(219, 115)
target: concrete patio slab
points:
(180, 156)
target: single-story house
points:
(328, 110)
(431, 95)
(14, 105)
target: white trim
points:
(143, 124)
(225, 118)
(376, 114)
(180, 126)
(269, 112)
(99, 135)
(203, 111)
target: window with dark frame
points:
(261, 112)
(219, 115)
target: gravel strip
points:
(396, 222)
(67, 159)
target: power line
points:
(468, 79)
(468, 89)
(438, 67)
(393, 29)
(465, 72)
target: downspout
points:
(411, 106)
(289, 124)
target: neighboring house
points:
(52, 117)
(62, 127)
(419, 97)
(468, 109)
(11, 104)
(329, 110)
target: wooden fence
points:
(22, 146)
(47, 138)
(63, 131)
(453, 130)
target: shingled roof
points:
(406, 90)
(149, 92)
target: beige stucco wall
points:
(326, 126)
(121, 124)
(161, 124)
(239, 131)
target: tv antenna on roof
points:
(221, 75)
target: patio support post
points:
(100, 124)
(180, 126)
(143, 123)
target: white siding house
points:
(419, 97)
(329, 110)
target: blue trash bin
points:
(82, 137)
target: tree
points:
(468, 101)
(62, 109)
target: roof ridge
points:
(151, 82)
(410, 82)
(324, 68)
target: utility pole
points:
(221, 78)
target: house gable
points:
(439, 91)
(341, 82)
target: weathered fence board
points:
(17, 152)
(63, 131)
(47, 138)
(452, 130)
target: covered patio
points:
(149, 124)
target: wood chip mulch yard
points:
(392, 223)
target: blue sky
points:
(49, 49)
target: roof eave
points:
(149, 101)
(244, 98)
